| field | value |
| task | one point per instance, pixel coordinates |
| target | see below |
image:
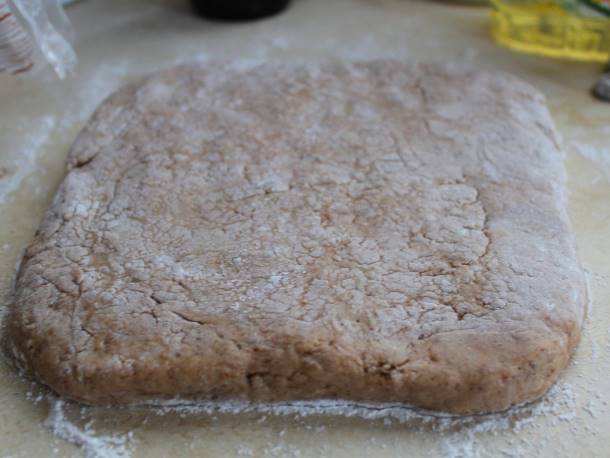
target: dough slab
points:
(376, 231)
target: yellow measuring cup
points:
(578, 29)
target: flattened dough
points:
(376, 231)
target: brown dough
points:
(375, 231)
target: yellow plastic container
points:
(550, 29)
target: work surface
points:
(120, 41)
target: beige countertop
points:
(117, 41)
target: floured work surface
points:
(375, 231)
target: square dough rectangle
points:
(373, 231)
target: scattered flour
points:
(244, 451)
(93, 446)
(30, 136)
(599, 156)
(95, 87)
(22, 151)
(457, 435)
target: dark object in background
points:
(238, 10)
(601, 90)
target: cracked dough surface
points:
(376, 231)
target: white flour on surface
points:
(599, 156)
(457, 435)
(21, 152)
(93, 446)
(30, 138)
(104, 80)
